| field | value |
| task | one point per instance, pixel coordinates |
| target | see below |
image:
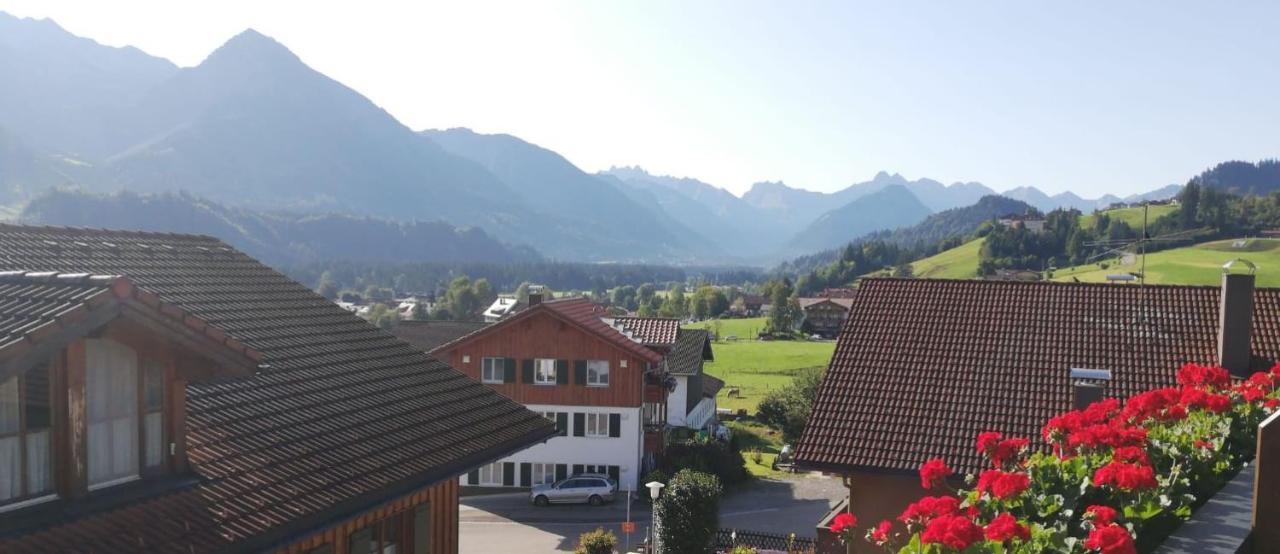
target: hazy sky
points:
(1094, 97)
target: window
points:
(652, 413)
(491, 474)
(24, 436)
(544, 371)
(153, 408)
(541, 474)
(492, 370)
(381, 537)
(561, 420)
(111, 398)
(597, 425)
(598, 373)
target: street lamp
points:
(655, 488)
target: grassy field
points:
(752, 435)
(756, 367)
(1193, 265)
(1132, 216)
(960, 262)
(745, 328)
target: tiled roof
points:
(711, 385)
(693, 346)
(345, 417)
(42, 311)
(583, 313)
(654, 331)
(924, 365)
(427, 335)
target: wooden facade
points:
(394, 521)
(545, 336)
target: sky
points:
(1094, 97)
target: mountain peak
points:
(253, 49)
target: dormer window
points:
(25, 469)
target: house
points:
(824, 316)
(504, 305)
(748, 305)
(163, 392)
(429, 335)
(1033, 224)
(925, 365)
(692, 402)
(604, 380)
(837, 292)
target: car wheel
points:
(540, 500)
(595, 500)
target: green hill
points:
(1200, 264)
(960, 262)
(1132, 216)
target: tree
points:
(787, 409)
(688, 512)
(383, 316)
(675, 305)
(645, 293)
(624, 297)
(781, 314)
(328, 287)
(707, 302)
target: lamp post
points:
(655, 488)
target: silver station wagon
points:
(591, 488)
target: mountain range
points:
(254, 131)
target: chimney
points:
(1235, 319)
(535, 296)
(1088, 386)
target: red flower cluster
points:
(880, 535)
(1110, 539)
(845, 521)
(999, 449)
(1005, 527)
(1195, 375)
(956, 532)
(1100, 515)
(928, 508)
(933, 472)
(1125, 476)
(1003, 484)
(1131, 454)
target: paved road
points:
(508, 523)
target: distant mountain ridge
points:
(280, 239)
(891, 207)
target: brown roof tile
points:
(345, 416)
(924, 365)
(653, 331)
(428, 335)
(693, 346)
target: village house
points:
(925, 365)
(607, 383)
(824, 316)
(748, 305)
(1034, 224)
(163, 392)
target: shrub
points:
(743, 549)
(716, 458)
(688, 512)
(756, 456)
(787, 409)
(1119, 479)
(599, 541)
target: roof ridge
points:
(67, 229)
(1000, 282)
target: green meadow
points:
(755, 367)
(1200, 264)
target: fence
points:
(726, 539)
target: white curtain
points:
(111, 383)
(38, 463)
(154, 437)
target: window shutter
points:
(579, 424)
(473, 478)
(577, 469)
(615, 425)
(528, 372)
(580, 372)
(509, 370)
(508, 474)
(562, 471)
(562, 423)
(526, 474)
(615, 474)
(562, 372)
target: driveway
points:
(509, 523)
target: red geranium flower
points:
(1201, 443)
(1218, 403)
(956, 532)
(844, 521)
(1131, 454)
(880, 535)
(1005, 527)
(1125, 476)
(1100, 515)
(1194, 375)
(932, 472)
(1110, 539)
(928, 508)
(987, 440)
(1271, 403)
(1003, 485)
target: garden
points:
(1115, 478)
